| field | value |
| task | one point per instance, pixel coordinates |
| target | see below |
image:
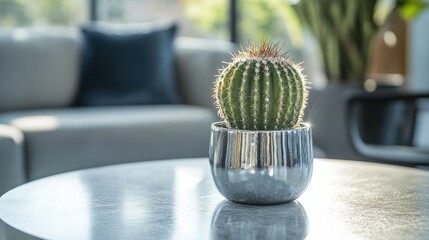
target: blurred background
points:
(242, 22)
(367, 60)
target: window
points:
(196, 18)
(257, 19)
(19, 13)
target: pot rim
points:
(221, 125)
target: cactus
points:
(261, 89)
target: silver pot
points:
(261, 167)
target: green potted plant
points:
(345, 31)
(262, 152)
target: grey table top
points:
(177, 199)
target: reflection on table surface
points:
(239, 221)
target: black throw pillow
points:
(124, 65)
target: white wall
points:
(419, 52)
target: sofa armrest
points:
(12, 166)
(198, 61)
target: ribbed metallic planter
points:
(261, 167)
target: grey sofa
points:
(41, 134)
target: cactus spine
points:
(261, 89)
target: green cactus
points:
(261, 89)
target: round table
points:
(177, 199)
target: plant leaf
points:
(410, 8)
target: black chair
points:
(390, 126)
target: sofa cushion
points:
(127, 65)
(38, 68)
(198, 62)
(12, 169)
(76, 138)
